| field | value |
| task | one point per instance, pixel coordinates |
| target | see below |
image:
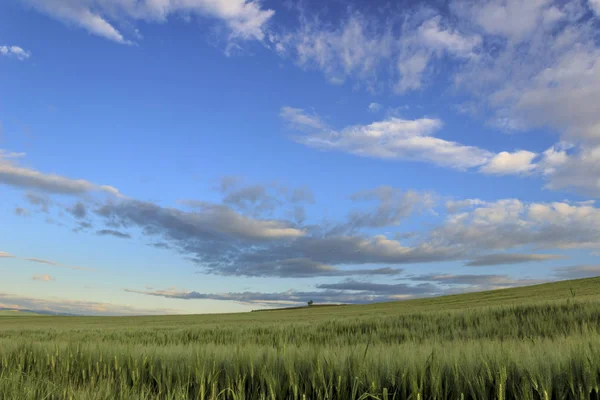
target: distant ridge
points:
(301, 307)
(38, 312)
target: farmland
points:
(539, 342)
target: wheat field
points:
(539, 342)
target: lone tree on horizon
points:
(310, 303)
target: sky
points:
(210, 156)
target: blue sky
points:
(225, 155)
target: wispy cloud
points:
(245, 19)
(393, 205)
(25, 178)
(43, 278)
(112, 232)
(53, 263)
(511, 258)
(299, 118)
(76, 307)
(578, 271)
(399, 139)
(21, 212)
(374, 107)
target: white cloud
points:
(246, 19)
(595, 6)
(514, 19)
(411, 71)
(429, 42)
(364, 49)
(374, 107)
(355, 48)
(579, 171)
(573, 79)
(553, 158)
(299, 118)
(453, 206)
(5, 255)
(395, 138)
(14, 51)
(43, 278)
(504, 163)
(433, 36)
(513, 224)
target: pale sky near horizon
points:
(199, 156)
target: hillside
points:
(584, 289)
(538, 342)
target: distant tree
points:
(310, 303)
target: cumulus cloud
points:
(246, 19)
(510, 258)
(15, 51)
(504, 163)
(512, 224)
(43, 278)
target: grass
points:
(539, 342)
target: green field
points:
(540, 342)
